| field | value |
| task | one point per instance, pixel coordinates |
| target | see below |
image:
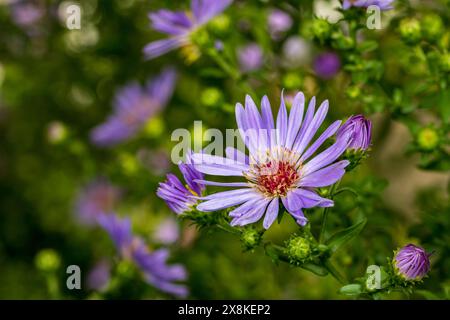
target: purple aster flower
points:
(95, 198)
(250, 57)
(179, 25)
(382, 4)
(278, 22)
(99, 276)
(26, 14)
(412, 262)
(280, 167)
(133, 106)
(167, 231)
(327, 65)
(152, 264)
(359, 129)
(180, 198)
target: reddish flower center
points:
(276, 178)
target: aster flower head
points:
(382, 4)
(153, 265)
(250, 57)
(327, 65)
(133, 107)
(280, 167)
(412, 262)
(180, 25)
(359, 129)
(181, 198)
(26, 13)
(278, 22)
(95, 198)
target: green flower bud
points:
(56, 132)
(220, 24)
(292, 80)
(410, 30)
(321, 29)
(353, 92)
(432, 26)
(428, 139)
(211, 97)
(298, 250)
(250, 238)
(200, 37)
(47, 260)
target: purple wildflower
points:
(250, 57)
(280, 166)
(167, 231)
(95, 198)
(133, 106)
(178, 197)
(327, 65)
(152, 264)
(26, 14)
(99, 275)
(382, 4)
(278, 22)
(359, 129)
(179, 25)
(412, 262)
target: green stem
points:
(326, 211)
(346, 189)
(333, 271)
(222, 63)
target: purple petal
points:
(282, 123)
(326, 176)
(216, 165)
(271, 213)
(324, 136)
(295, 119)
(226, 199)
(158, 48)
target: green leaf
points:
(316, 269)
(353, 289)
(342, 237)
(368, 46)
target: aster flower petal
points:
(244, 208)
(271, 213)
(267, 121)
(222, 184)
(161, 87)
(118, 229)
(236, 155)
(313, 126)
(159, 47)
(170, 22)
(326, 176)
(253, 215)
(218, 165)
(326, 157)
(295, 119)
(205, 10)
(282, 123)
(323, 137)
(226, 199)
(310, 199)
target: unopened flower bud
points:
(47, 260)
(410, 30)
(428, 139)
(321, 29)
(298, 249)
(250, 238)
(432, 26)
(411, 262)
(359, 130)
(211, 97)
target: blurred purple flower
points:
(359, 129)
(296, 52)
(26, 13)
(167, 231)
(412, 262)
(179, 25)
(282, 166)
(152, 264)
(327, 65)
(178, 197)
(99, 276)
(95, 198)
(278, 22)
(250, 57)
(382, 4)
(156, 161)
(133, 106)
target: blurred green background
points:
(57, 84)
